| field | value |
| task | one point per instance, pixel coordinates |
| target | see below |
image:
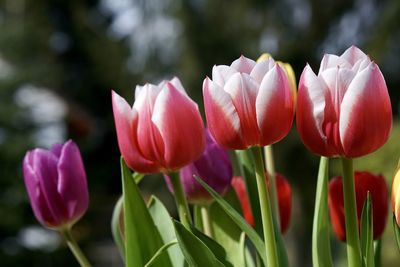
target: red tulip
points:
(364, 182)
(284, 200)
(346, 109)
(396, 196)
(248, 103)
(162, 132)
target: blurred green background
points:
(59, 61)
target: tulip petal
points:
(243, 91)
(72, 185)
(173, 110)
(38, 202)
(366, 114)
(126, 120)
(222, 73)
(332, 61)
(261, 68)
(222, 118)
(274, 106)
(312, 109)
(44, 164)
(353, 54)
(150, 142)
(243, 64)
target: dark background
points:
(59, 61)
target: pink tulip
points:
(248, 103)
(55, 180)
(162, 132)
(345, 110)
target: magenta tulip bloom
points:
(345, 110)
(162, 132)
(248, 103)
(56, 183)
(213, 166)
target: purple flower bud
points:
(213, 166)
(56, 183)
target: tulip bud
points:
(55, 180)
(284, 192)
(364, 182)
(213, 167)
(162, 132)
(396, 196)
(248, 103)
(345, 110)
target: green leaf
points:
(225, 230)
(142, 239)
(396, 232)
(367, 235)
(238, 219)
(196, 253)
(165, 226)
(116, 229)
(159, 252)
(137, 177)
(321, 249)
(216, 248)
(247, 172)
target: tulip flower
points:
(213, 166)
(284, 200)
(364, 182)
(345, 110)
(396, 196)
(55, 180)
(248, 104)
(162, 132)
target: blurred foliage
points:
(72, 53)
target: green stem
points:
(321, 250)
(352, 233)
(266, 212)
(74, 247)
(270, 165)
(180, 199)
(205, 215)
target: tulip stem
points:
(205, 215)
(266, 211)
(74, 247)
(180, 199)
(352, 233)
(270, 165)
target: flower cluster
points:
(343, 111)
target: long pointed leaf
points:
(225, 231)
(196, 253)
(165, 226)
(142, 239)
(247, 172)
(367, 236)
(321, 250)
(116, 229)
(238, 219)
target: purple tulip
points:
(213, 166)
(56, 183)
